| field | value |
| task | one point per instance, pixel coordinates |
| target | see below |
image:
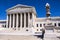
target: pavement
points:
(51, 36)
(16, 37)
(47, 36)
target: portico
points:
(20, 16)
(20, 20)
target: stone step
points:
(13, 37)
(50, 35)
(51, 38)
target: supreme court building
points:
(22, 20)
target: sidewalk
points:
(50, 36)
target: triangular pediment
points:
(19, 6)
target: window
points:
(26, 29)
(58, 24)
(55, 24)
(37, 25)
(37, 29)
(40, 29)
(4, 26)
(44, 24)
(40, 25)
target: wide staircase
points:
(17, 37)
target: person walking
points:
(43, 32)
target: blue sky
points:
(38, 4)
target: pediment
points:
(19, 6)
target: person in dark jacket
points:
(43, 32)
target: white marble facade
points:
(23, 18)
(20, 16)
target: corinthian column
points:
(17, 21)
(28, 19)
(10, 22)
(21, 20)
(33, 20)
(13, 20)
(7, 22)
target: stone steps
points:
(50, 36)
(10, 37)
